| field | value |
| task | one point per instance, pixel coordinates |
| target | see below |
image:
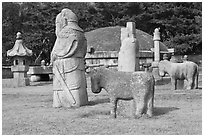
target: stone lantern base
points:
(20, 76)
(20, 82)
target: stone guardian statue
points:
(68, 60)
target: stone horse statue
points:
(138, 86)
(179, 71)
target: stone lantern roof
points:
(19, 49)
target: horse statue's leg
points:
(113, 102)
(173, 83)
(140, 103)
(190, 83)
(133, 108)
(150, 106)
(196, 80)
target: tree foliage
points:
(180, 23)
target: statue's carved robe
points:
(68, 56)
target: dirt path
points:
(28, 110)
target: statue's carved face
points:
(64, 22)
(162, 69)
(95, 83)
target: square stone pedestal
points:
(124, 108)
(20, 76)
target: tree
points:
(10, 26)
(180, 23)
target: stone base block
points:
(34, 78)
(125, 108)
(13, 83)
(21, 82)
(39, 77)
(155, 73)
(39, 70)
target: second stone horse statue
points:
(179, 71)
(138, 86)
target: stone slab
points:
(39, 70)
(19, 68)
(39, 77)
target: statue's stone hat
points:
(71, 17)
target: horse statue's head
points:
(162, 68)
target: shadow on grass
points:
(94, 113)
(199, 88)
(163, 81)
(163, 110)
(98, 101)
(158, 111)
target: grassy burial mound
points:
(108, 39)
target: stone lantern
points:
(19, 54)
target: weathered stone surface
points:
(180, 71)
(125, 108)
(180, 83)
(39, 70)
(67, 57)
(20, 65)
(39, 73)
(128, 57)
(136, 86)
(20, 68)
(156, 39)
(34, 78)
(19, 49)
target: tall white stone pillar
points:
(156, 39)
(128, 58)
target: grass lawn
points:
(28, 110)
